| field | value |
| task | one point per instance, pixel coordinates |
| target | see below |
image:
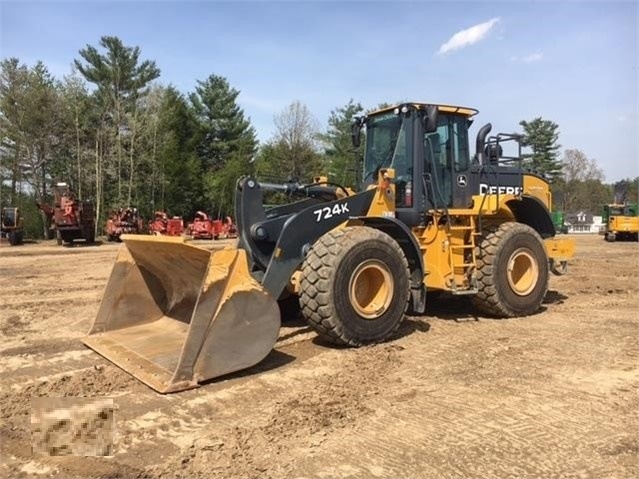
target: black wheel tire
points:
(15, 238)
(58, 237)
(518, 246)
(328, 272)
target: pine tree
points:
(178, 169)
(121, 79)
(226, 140)
(341, 157)
(542, 135)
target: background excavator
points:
(621, 218)
(426, 216)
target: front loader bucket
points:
(174, 315)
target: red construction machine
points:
(162, 225)
(204, 227)
(72, 219)
(228, 228)
(123, 221)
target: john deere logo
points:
(461, 181)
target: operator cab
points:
(427, 146)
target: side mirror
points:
(430, 120)
(356, 128)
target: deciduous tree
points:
(293, 152)
(578, 171)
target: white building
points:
(584, 222)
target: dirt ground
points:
(453, 395)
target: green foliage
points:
(128, 142)
(121, 79)
(30, 126)
(177, 170)
(225, 141)
(589, 195)
(118, 73)
(341, 158)
(542, 135)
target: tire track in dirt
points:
(97, 381)
(438, 432)
(295, 409)
(27, 364)
(150, 416)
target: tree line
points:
(120, 139)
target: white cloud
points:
(533, 57)
(468, 37)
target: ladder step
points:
(465, 246)
(463, 265)
(465, 291)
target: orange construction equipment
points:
(162, 225)
(202, 227)
(229, 230)
(123, 221)
(72, 219)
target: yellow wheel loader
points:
(426, 217)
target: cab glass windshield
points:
(386, 144)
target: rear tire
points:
(15, 238)
(355, 286)
(512, 271)
(58, 237)
(90, 238)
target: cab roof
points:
(461, 110)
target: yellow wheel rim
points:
(522, 272)
(371, 289)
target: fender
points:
(407, 242)
(532, 212)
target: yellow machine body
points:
(175, 315)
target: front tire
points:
(15, 238)
(355, 286)
(512, 271)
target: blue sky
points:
(574, 63)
